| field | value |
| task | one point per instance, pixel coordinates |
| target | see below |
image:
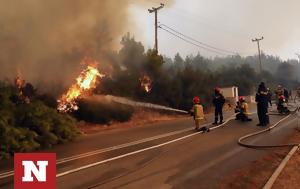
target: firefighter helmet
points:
(281, 97)
(241, 98)
(217, 89)
(196, 100)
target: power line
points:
(197, 41)
(200, 19)
(192, 43)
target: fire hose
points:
(241, 143)
(296, 147)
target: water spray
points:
(126, 101)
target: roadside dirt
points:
(139, 118)
(258, 172)
(290, 176)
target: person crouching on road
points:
(282, 106)
(218, 102)
(279, 91)
(198, 114)
(237, 110)
(286, 95)
(243, 114)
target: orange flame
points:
(19, 83)
(146, 83)
(85, 83)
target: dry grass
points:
(140, 117)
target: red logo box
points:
(35, 171)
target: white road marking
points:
(279, 169)
(7, 173)
(136, 152)
(96, 152)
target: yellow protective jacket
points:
(198, 112)
(245, 108)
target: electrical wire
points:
(192, 43)
(197, 41)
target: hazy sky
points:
(226, 24)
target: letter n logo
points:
(35, 171)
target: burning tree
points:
(25, 90)
(146, 83)
(85, 83)
(19, 83)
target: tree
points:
(285, 73)
(153, 63)
(178, 62)
(131, 54)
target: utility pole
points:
(259, 56)
(155, 10)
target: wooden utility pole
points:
(259, 56)
(155, 10)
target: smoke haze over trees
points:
(44, 41)
(176, 80)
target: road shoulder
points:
(290, 176)
(257, 173)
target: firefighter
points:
(198, 114)
(279, 91)
(218, 102)
(237, 110)
(262, 104)
(243, 114)
(298, 93)
(282, 105)
(269, 96)
(286, 95)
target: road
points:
(161, 155)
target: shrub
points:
(13, 139)
(103, 112)
(52, 127)
(29, 127)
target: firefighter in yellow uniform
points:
(244, 110)
(198, 114)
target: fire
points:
(19, 83)
(146, 83)
(85, 83)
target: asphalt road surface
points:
(162, 155)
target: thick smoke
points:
(44, 40)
